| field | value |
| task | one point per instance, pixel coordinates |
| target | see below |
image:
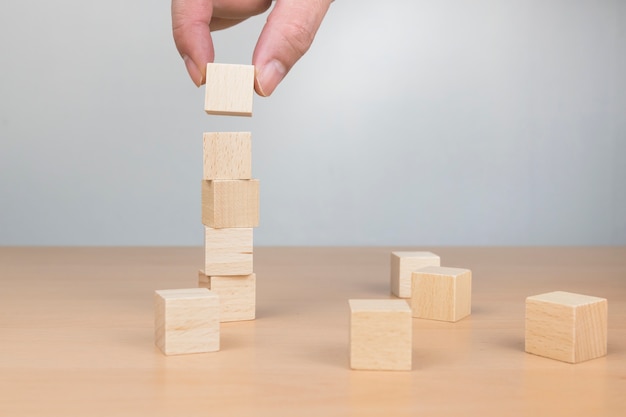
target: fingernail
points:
(194, 72)
(269, 76)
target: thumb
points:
(287, 35)
(190, 27)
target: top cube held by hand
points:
(229, 89)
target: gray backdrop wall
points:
(464, 122)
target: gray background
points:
(407, 123)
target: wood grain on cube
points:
(403, 263)
(229, 89)
(228, 251)
(227, 155)
(237, 295)
(380, 335)
(230, 203)
(441, 293)
(187, 321)
(566, 326)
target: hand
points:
(286, 36)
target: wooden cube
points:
(566, 326)
(230, 203)
(237, 295)
(229, 89)
(227, 156)
(403, 264)
(187, 321)
(380, 335)
(228, 251)
(441, 293)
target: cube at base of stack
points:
(237, 295)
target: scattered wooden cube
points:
(229, 89)
(187, 321)
(403, 264)
(237, 295)
(380, 335)
(230, 203)
(566, 326)
(228, 251)
(227, 156)
(441, 293)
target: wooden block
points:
(227, 156)
(403, 264)
(229, 89)
(441, 293)
(228, 251)
(380, 335)
(237, 295)
(187, 321)
(566, 326)
(230, 203)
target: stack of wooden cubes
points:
(230, 196)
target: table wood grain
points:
(76, 337)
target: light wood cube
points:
(403, 263)
(228, 251)
(230, 203)
(227, 156)
(187, 321)
(237, 295)
(441, 293)
(566, 326)
(380, 335)
(229, 89)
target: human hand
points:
(287, 35)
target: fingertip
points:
(196, 74)
(268, 77)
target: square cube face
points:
(227, 156)
(566, 326)
(229, 89)
(187, 321)
(441, 293)
(237, 295)
(230, 203)
(228, 251)
(380, 335)
(403, 264)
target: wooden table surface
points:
(76, 337)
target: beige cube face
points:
(227, 156)
(187, 321)
(566, 326)
(441, 293)
(403, 264)
(229, 89)
(237, 295)
(380, 335)
(228, 251)
(230, 203)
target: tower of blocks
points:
(566, 326)
(230, 196)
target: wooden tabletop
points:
(76, 337)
